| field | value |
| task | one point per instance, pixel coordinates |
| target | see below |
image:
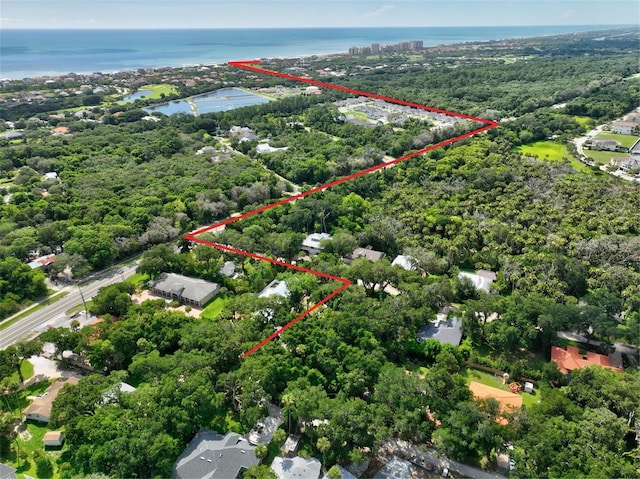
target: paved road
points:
(54, 314)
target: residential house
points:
(213, 456)
(40, 408)
(571, 358)
(445, 330)
(7, 472)
(370, 254)
(206, 150)
(264, 430)
(404, 262)
(52, 175)
(606, 144)
(43, 262)
(228, 269)
(53, 439)
(264, 148)
(481, 279)
(112, 394)
(296, 468)
(12, 135)
(275, 288)
(312, 243)
(626, 164)
(192, 291)
(624, 127)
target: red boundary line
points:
(250, 65)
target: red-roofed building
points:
(570, 359)
(43, 261)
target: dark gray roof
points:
(446, 331)
(194, 289)
(212, 456)
(370, 254)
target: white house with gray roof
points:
(311, 243)
(210, 455)
(275, 288)
(192, 291)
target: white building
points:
(311, 243)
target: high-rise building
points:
(375, 47)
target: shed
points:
(53, 438)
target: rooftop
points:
(570, 359)
(41, 406)
(193, 289)
(275, 288)
(213, 456)
(296, 468)
(447, 331)
(313, 240)
(481, 279)
(370, 254)
(405, 262)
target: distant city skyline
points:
(130, 14)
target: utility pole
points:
(82, 296)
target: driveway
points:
(408, 450)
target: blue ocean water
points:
(29, 53)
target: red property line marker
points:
(250, 65)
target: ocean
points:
(31, 53)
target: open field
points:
(159, 90)
(625, 140)
(545, 150)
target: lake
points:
(220, 100)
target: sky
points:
(95, 14)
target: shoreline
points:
(307, 47)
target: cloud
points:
(380, 11)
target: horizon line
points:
(626, 25)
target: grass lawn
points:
(214, 308)
(545, 150)
(625, 140)
(159, 89)
(137, 279)
(492, 380)
(26, 369)
(603, 157)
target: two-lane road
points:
(54, 314)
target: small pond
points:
(137, 95)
